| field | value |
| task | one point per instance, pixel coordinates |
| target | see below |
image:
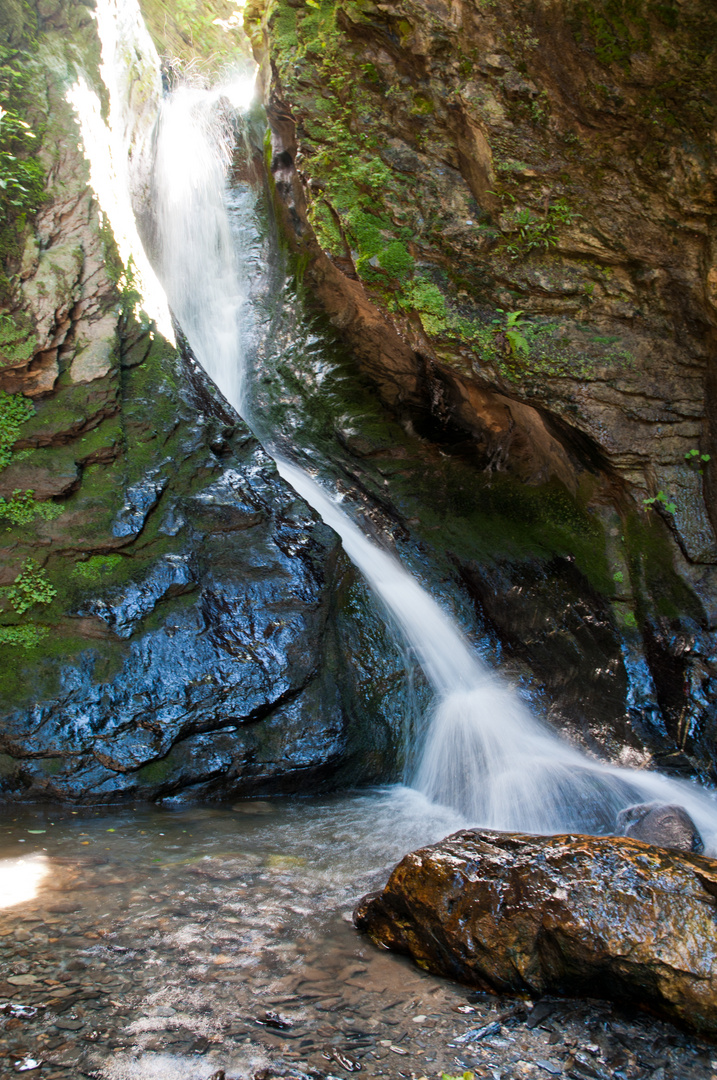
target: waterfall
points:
(197, 263)
(485, 754)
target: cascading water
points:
(485, 755)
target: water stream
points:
(485, 755)
(155, 944)
(161, 943)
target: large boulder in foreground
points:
(604, 917)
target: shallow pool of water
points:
(173, 943)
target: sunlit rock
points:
(600, 916)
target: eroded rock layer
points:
(597, 916)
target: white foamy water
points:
(486, 756)
(115, 144)
(197, 262)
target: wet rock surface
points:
(200, 645)
(666, 826)
(488, 128)
(604, 916)
(195, 629)
(168, 944)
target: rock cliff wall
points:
(506, 211)
(173, 618)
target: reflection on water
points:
(20, 879)
(169, 944)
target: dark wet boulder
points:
(606, 917)
(665, 825)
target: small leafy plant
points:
(533, 233)
(30, 587)
(695, 459)
(512, 330)
(23, 637)
(22, 508)
(663, 500)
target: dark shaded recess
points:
(667, 652)
(548, 616)
(710, 469)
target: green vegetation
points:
(22, 508)
(22, 178)
(662, 500)
(156, 772)
(618, 28)
(657, 586)
(30, 587)
(97, 567)
(350, 183)
(15, 409)
(188, 29)
(696, 460)
(514, 332)
(17, 344)
(23, 637)
(428, 300)
(532, 233)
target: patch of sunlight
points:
(130, 71)
(20, 878)
(240, 91)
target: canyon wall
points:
(506, 211)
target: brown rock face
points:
(602, 916)
(504, 211)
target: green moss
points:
(49, 766)
(396, 260)
(15, 410)
(8, 765)
(155, 772)
(17, 342)
(324, 225)
(660, 589)
(366, 231)
(97, 568)
(422, 106)
(618, 28)
(26, 678)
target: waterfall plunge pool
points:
(158, 941)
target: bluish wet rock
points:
(207, 638)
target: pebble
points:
(479, 1033)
